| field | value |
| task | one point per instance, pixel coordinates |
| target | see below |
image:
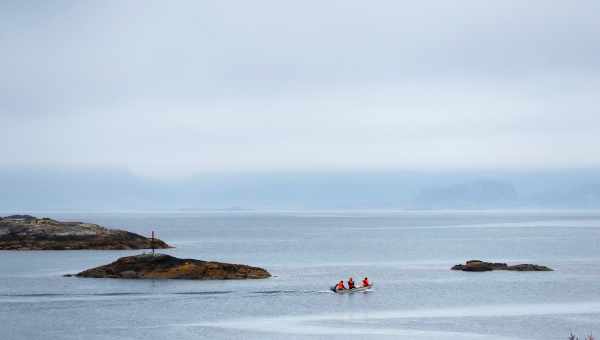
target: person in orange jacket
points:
(340, 285)
(365, 282)
(351, 284)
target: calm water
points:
(406, 254)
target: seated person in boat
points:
(365, 282)
(351, 284)
(340, 285)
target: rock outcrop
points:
(162, 266)
(481, 266)
(25, 232)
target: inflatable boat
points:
(353, 290)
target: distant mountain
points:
(24, 190)
(475, 195)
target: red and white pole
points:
(152, 242)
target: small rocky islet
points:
(163, 266)
(26, 232)
(482, 266)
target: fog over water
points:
(92, 189)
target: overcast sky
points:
(175, 88)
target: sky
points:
(170, 90)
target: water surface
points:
(406, 254)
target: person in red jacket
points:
(351, 284)
(365, 282)
(340, 285)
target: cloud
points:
(172, 90)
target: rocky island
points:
(481, 266)
(162, 266)
(25, 232)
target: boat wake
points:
(349, 323)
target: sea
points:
(406, 254)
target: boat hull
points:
(353, 290)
